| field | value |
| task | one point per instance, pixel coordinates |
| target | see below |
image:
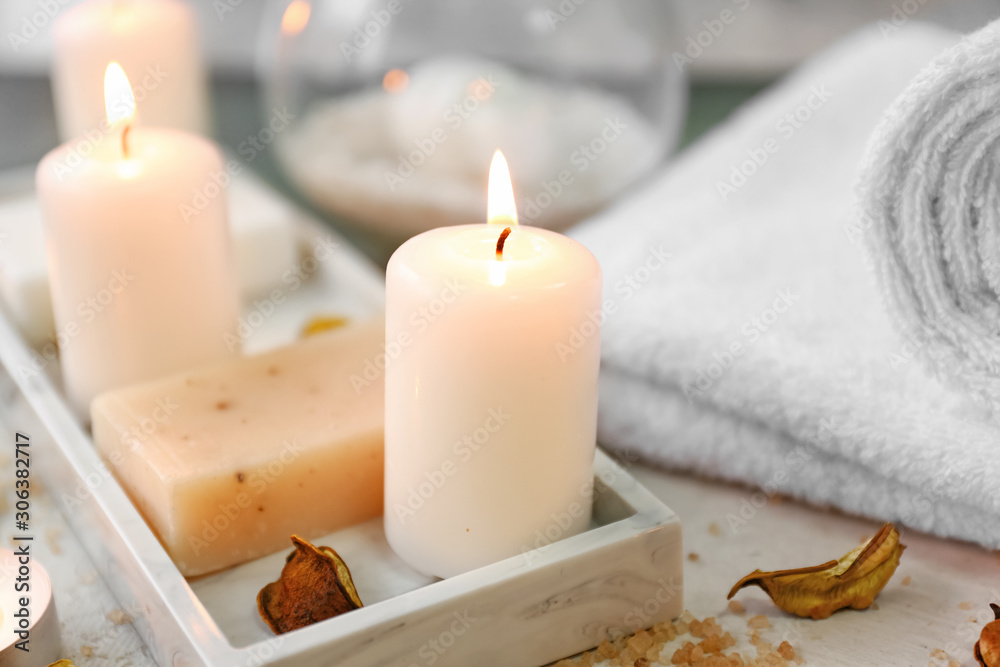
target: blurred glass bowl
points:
(398, 105)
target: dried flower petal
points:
(321, 323)
(818, 591)
(988, 647)
(62, 663)
(315, 585)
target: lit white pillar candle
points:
(137, 292)
(491, 400)
(155, 42)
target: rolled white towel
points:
(744, 337)
(930, 200)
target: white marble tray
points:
(623, 574)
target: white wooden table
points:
(943, 606)
(911, 621)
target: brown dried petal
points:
(988, 647)
(315, 585)
(853, 581)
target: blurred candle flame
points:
(296, 17)
(395, 81)
(500, 206)
(119, 102)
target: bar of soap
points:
(226, 462)
(263, 230)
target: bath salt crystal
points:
(417, 158)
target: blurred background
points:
(674, 68)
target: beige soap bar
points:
(226, 462)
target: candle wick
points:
(125, 140)
(503, 238)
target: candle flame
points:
(500, 206)
(498, 273)
(296, 17)
(118, 99)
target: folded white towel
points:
(931, 199)
(760, 351)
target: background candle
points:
(156, 43)
(490, 401)
(137, 292)
(42, 619)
